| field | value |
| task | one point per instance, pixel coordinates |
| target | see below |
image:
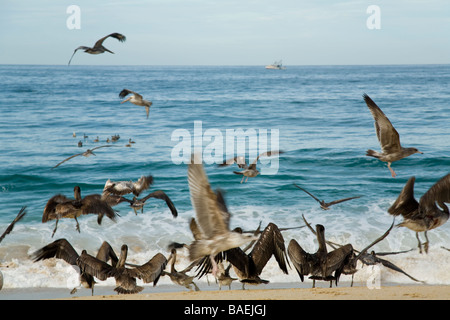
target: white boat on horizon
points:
(277, 65)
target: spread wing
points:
(79, 48)
(159, 194)
(341, 200)
(126, 92)
(115, 35)
(265, 154)
(307, 192)
(405, 205)
(75, 155)
(211, 217)
(439, 193)
(60, 249)
(387, 135)
(94, 204)
(19, 216)
(239, 160)
(93, 266)
(270, 243)
(150, 271)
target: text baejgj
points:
(214, 144)
(232, 309)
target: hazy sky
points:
(227, 32)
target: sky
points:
(227, 32)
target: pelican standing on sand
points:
(125, 277)
(212, 217)
(321, 264)
(98, 46)
(388, 137)
(136, 99)
(429, 213)
(62, 249)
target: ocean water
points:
(315, 114)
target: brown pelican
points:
(98, 46)
(179, 277)
(59, 206)
(321, 264)
(248, 267)
(62, 249)
(125, 277)
(388, 137)
(249, 171)
(137, 204)
(366, 258)
(426, 214)
(212, 217)
(136, 99)
(10, 228)
(87, 153)
(125, 187)
(325, 205)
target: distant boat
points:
(277, 65)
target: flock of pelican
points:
(214, 242)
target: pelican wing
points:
(75, 155)
(363, 251)
(299, 258)
(405, 205)
(106, 253)
(126, 92)
(60, 249)
(95, 267)
(239, 160)
(387, 135)
(211, 218)
(92, 204)
(142, 184)
(341, 200)
(50, 207)
(10, 228)
(159, 194)
(438, 193)
(270, 243)
(150, 271)
(115, 35)
(307, 192)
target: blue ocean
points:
(315, 114)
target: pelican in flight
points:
(59, 206)
(10, 228)
(427, 214)
(87, 153)
(212, 216)
(121, 188)
(62, 249)
(125, 277)
(136, 99)
(325, 205)
(137, 204)
(249, 171)
(98, 46)
(391, 149)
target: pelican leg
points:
(246, 180)
(215, 268)
(393, 174)
(243, 177)
(425, 245)
(420, 244)
(314, 283)
(351, 284)
(56, 227)
(78, 225)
